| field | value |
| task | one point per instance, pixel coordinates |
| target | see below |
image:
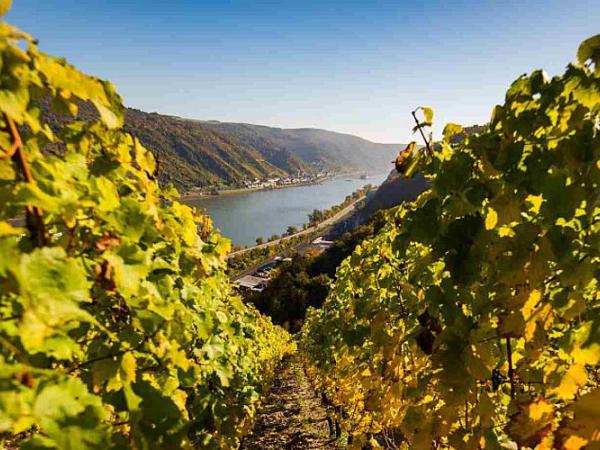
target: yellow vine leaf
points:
(451, 129)
(575, 377)
(534, 297)
(491, 219)
(506, 231)
(6, 229)
(589, 355)
(531, 423)
(536, 202)
(179, 397)
(428, 113)
(540, 410)
(4, 6)
(530, 315)
(580, 429)
(574, 443)
(128, 367)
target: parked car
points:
(259, 288)
(263, 274)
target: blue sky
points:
(358, 67)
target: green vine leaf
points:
(470, 319)
(119, 324)
(590, 50)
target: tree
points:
(260, 240)
(316, 216)
(292, 230)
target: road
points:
(308, 230)
(301, 247)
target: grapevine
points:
(118, 326)
(471, 320)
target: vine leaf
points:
(405, 158)
(491, 219)
(590, 49)
(532, 422)
(5, 6)
(579, 428)
(571, 382)
(450, 130)
(428, 113)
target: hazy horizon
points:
(347, 67)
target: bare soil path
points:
(292, 417)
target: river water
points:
(245, 216)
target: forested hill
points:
(195, 153)
(210, 153)
(322, 148)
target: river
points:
(242, 217)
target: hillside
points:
(394, 190)
(466, 319)
(206, 154)
(322, 148)
(194, 155)
(209, 153)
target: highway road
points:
(327, 222)
(301, 247)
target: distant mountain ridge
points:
(209, 154)
(305, 150)
(328, 149)
(192, 155)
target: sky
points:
(357, 67)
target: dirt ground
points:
(292, 416)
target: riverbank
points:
(197, 195)
(269, 213)
(235, 191)
(316, 227)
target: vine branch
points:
(33, 214)
(419, 126)
(511, 375)
(118, 353)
